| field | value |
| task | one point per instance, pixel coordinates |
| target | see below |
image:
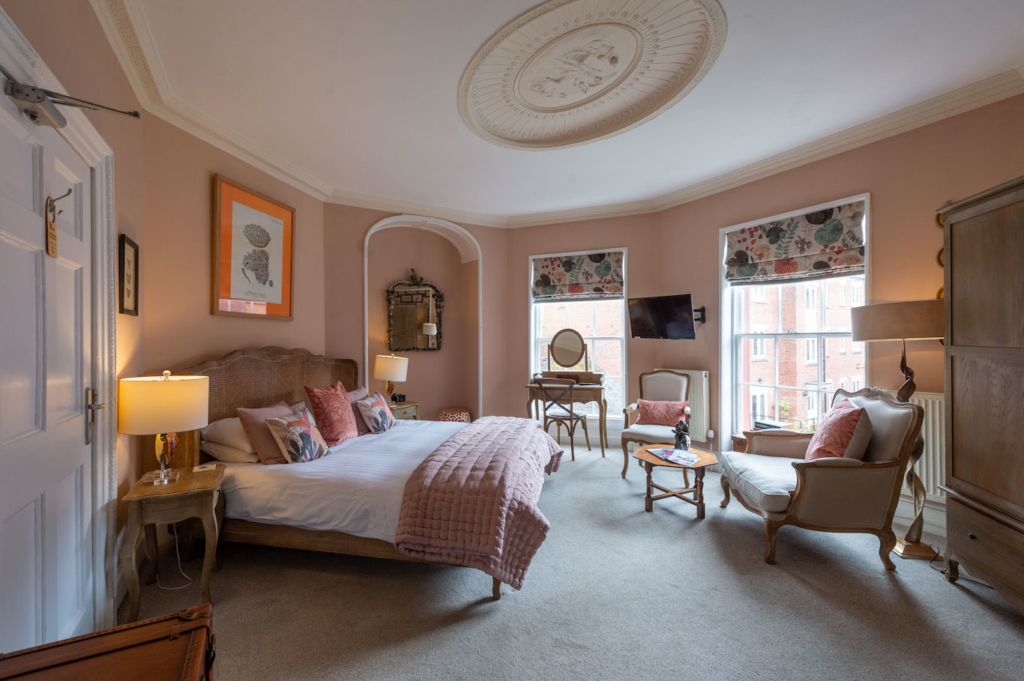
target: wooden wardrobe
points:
(984, 294)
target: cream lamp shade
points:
(390, 368)
(429, 329)
(155, 405)
(912, 320)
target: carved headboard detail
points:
(261, 378)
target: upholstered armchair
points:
(661, 385)
(830, 494)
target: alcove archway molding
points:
(469, 250)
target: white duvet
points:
(357, 488)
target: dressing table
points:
(568, 349)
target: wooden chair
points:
(560, 409)
(832, 494)
(661, 385)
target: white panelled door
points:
(46, 580)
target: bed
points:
(347, 502)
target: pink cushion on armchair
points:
(660, 413)
(844, 432)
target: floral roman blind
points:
(823, 243)
(578, 277)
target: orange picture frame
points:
(253, 253)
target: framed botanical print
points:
(253, 253)
(128, 268)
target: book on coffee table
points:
(682, 457)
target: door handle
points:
(91, 407)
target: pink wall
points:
(435, 379)
(179, 203)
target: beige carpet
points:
(615, 593)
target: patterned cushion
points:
(660, 413)
(376, 413)
(333, 413)
(844, 432)
(298, 436)
(455, 414)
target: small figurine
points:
(682, 435)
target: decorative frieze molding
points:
(125, 26)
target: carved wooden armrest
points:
(631, 410)
(778, 442)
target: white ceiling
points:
(361, 95)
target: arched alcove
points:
(469, 251)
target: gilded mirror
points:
(414, 315)
(568, 348)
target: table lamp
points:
(912, 320)
(391, 369)
(430, 331)
(162, 406)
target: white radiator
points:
(700, 403)
(931, 467)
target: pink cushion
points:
(353, 397)
(333, 413)
(660, 413)
(844, 432)
(254, 421)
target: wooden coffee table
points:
(650, 462)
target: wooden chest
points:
(177, 647)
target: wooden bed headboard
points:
(261, 378)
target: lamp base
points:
(914, 550)
(163, 477)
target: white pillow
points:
(229, 454)
(228, 432)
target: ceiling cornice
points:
(124, 24)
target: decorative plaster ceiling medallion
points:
(570, 72)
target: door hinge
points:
(90, 413)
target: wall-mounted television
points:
(662, 317)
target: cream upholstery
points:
(663, 385)
(830, 494)
(764, 481)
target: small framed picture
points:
(253, 246)
(128, 259)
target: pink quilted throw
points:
(838, 430)
(333, 413)
(473, 501)
(660, 413)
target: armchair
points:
(664, 385)
(830, 494)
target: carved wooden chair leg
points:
(585, 433)
(887, 542)
(496, 589)
(625, 459)
(952, 567)
(771, 530)
(728, 493)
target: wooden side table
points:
(193, 495)
(650, 462)
(406, 410)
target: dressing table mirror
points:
(568, 349)
(414, 315)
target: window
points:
(857, 384)
(858, 294)
(842, 293)
(782, 367)
(812, 350)
(758, 295)
(601, 323)
(858, 347)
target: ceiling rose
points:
(570, 72)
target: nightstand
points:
(406, 410)
(193, 495)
